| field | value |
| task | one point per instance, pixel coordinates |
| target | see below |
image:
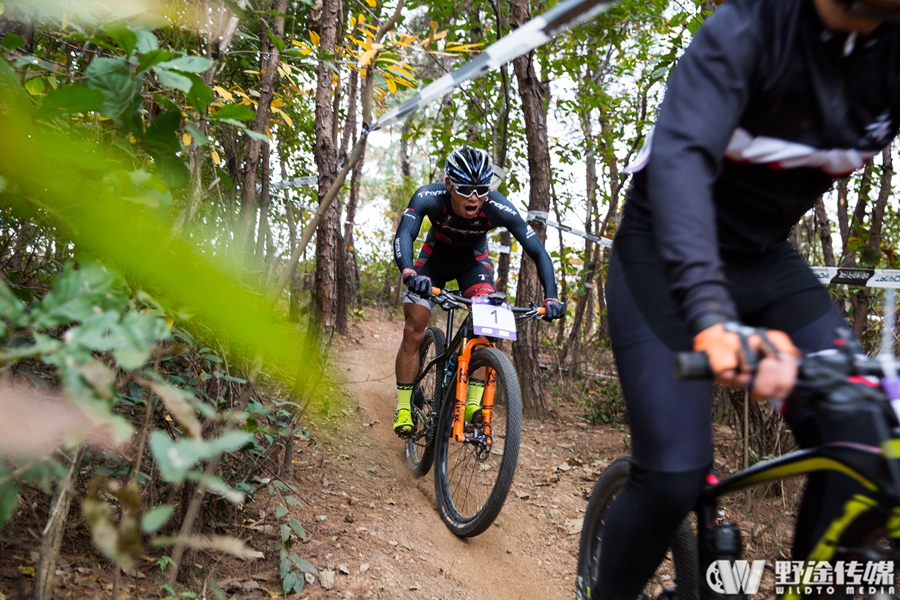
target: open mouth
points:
(471, 210)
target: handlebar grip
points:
(542, 311)
(435, 291)
(692, 365)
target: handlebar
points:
(832, 380)
(446, 296)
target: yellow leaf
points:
(215, 156)
(440, 36)
(268, 132)
(287, 120)
(224, 93)
(251, 71)
(371, 3)
(277, 103)
(29, 571)
(391, 85)
(352, 22)
(314, 37)
(186, 139)
(361, 18)
(367, 57)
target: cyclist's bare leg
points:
(407, 363)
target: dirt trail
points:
(392, 543)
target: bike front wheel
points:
(472, 478)
(682, 557)
(426, 399)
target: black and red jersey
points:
(448, 228)
(764, 110)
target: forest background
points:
(172, 284)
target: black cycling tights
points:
(640, 524)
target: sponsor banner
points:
(878, 278)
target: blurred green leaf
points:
(172, 79)
(189, 64)
(71, 99)
(176, 458)
(146, 41)
(216, 486)
(152, 58)
(155, 518)
(76, 293)
(200, 95)
(198, 136)
(123, 37)
(121, 88)
(12, 41)
(238, 112)
(9, 496)
(11, 308)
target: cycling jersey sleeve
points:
(510, 218)
(706, 95)
(410, 223)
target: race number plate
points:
(493, 320)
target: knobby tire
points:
(470, 493)
(426, 396)
(683, 545)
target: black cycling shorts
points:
(470, 267)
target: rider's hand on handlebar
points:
(417, 284)
(554, 309)
(733, 349)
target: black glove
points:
(418, 284)
(555, 309)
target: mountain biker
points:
(772, 101)
(462, 209)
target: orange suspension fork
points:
(462, 387)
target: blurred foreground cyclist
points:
(772, 101)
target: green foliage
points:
(604, 403)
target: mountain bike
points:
(705, 564)
(475, 460)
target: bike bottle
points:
(723, 577)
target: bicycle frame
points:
(877, 510)
(463, 344)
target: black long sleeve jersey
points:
(763, 111)
(448, 228)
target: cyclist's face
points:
(466, 207)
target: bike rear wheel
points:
(426, 399)
(682, 558)
(472, 479)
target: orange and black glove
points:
(763, 360)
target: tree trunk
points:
(263, 112)
(354, 286)
(531, 91)
(823, 225)
(328, 242)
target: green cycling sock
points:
(404, 395)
